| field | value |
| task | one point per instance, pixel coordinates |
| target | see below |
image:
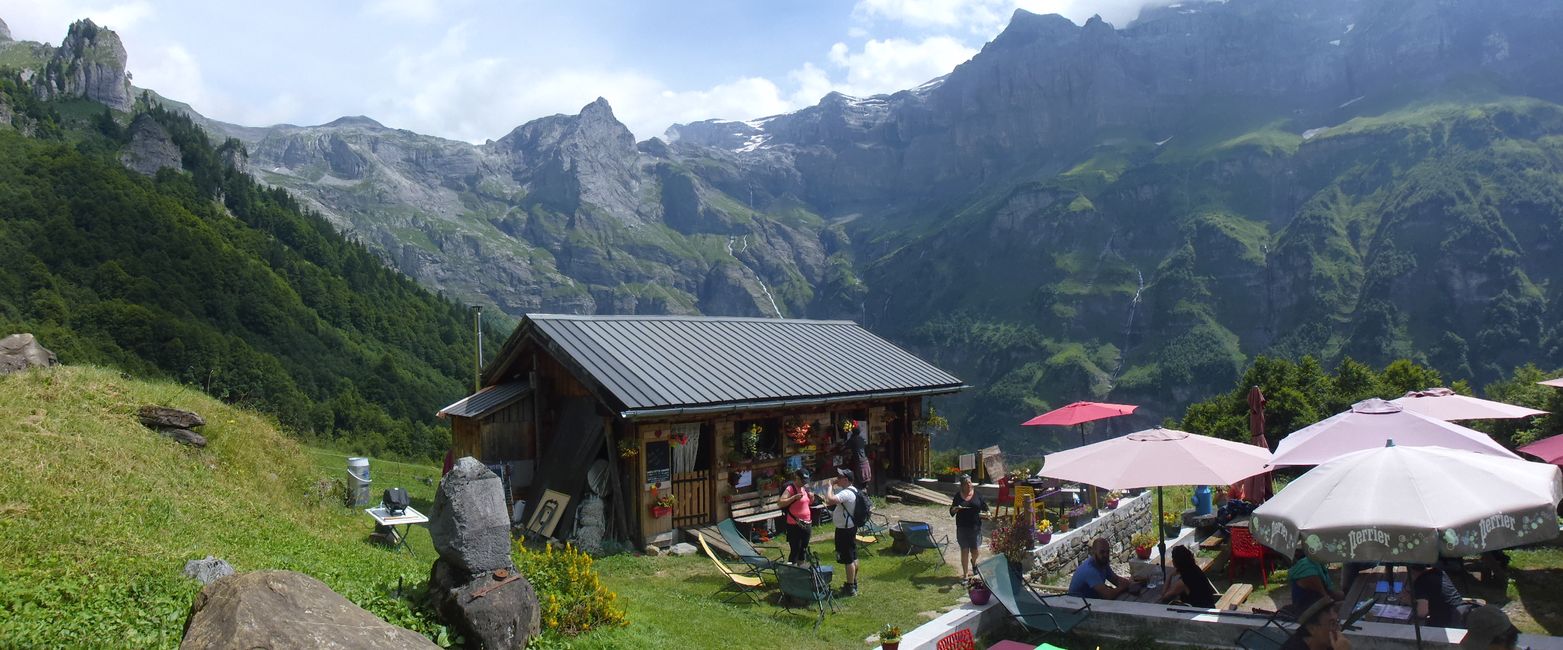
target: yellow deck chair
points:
(740, 584)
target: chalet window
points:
(686, 442)
(758, 439)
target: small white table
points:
(406, 520)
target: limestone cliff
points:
(90, 63)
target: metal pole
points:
(477, 362)
(1161, 535)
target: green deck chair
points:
(1036, 612)
(807, 585)
(746, 551)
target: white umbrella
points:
(1412, 505)
(1445, 404)
(1555, 383)
(1155, 458)
(1369, 425)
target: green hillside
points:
(207, 278)
(1427, 232)
(98, 514)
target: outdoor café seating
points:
(1029, 608)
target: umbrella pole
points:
(1161, 536)
(1091, 489)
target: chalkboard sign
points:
(659, 462)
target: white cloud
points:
(883, 66)
(408, 10)
(176, 74)
(47, 21)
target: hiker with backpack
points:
(852, 508)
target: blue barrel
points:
(1201, 500)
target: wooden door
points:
(696, 495)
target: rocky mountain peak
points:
(1026, 28)
(5, 32)
(355, 120)
(89, 63)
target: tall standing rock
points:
(469, 523)
(90, 63)
(5, 33)
(151, 148)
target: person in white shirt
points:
(844, 497)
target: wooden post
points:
(620, 498)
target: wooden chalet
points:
(710, 410)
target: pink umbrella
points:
(1555, 383)
(1155, 458)
(1369, 425)
(1547, 449)
(1444, 404)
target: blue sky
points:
(473, 70)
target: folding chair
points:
(919, 536)
(739, 584)
(807, 585)
(1025, 605)
(746, 551)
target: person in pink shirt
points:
(794, 501)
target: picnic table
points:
(1385, 587)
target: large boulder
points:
(159, 417)
(151, 148)
(286, 609)
(497, 610)
(22, 351)
(469, 522)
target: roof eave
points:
(727, 407)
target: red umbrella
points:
(1547, 449)
(1077, 414)
(1257, 488)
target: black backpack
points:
(862, 508)
(395, 501)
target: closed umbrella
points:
(1076, 415)
(1257, 488)
(1445, 404)
(1547, 449)
(1155, 458)
(1369, 425)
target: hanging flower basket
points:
(658, 512)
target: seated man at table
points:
(1437, 600)
(1310, 582)
(1094, 578)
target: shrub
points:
(570, 594)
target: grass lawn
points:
(670, 604)
(99, 514)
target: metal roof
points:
(486, 401)
(662, 362)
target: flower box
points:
(658, 512)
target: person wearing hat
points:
(794, 501)
(1488, 628)
(844, 497)
(1318, 628)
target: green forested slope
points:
(206, 277)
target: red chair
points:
(1004, 499)
(959, 640)
(1245, 548)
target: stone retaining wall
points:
(1068, 550)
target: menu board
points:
(659, 462)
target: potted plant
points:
(1044, 531)
(1112, 500)
(663, 506)
(1142, 542)
(950, 473)
(977, 590)
(1078, 516)
(890, 637)
(1012, 538)
(628, 449)
(931, 425)
(1171, 524)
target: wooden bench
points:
(1235, 595)
(1213, 542)
(754, 507)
